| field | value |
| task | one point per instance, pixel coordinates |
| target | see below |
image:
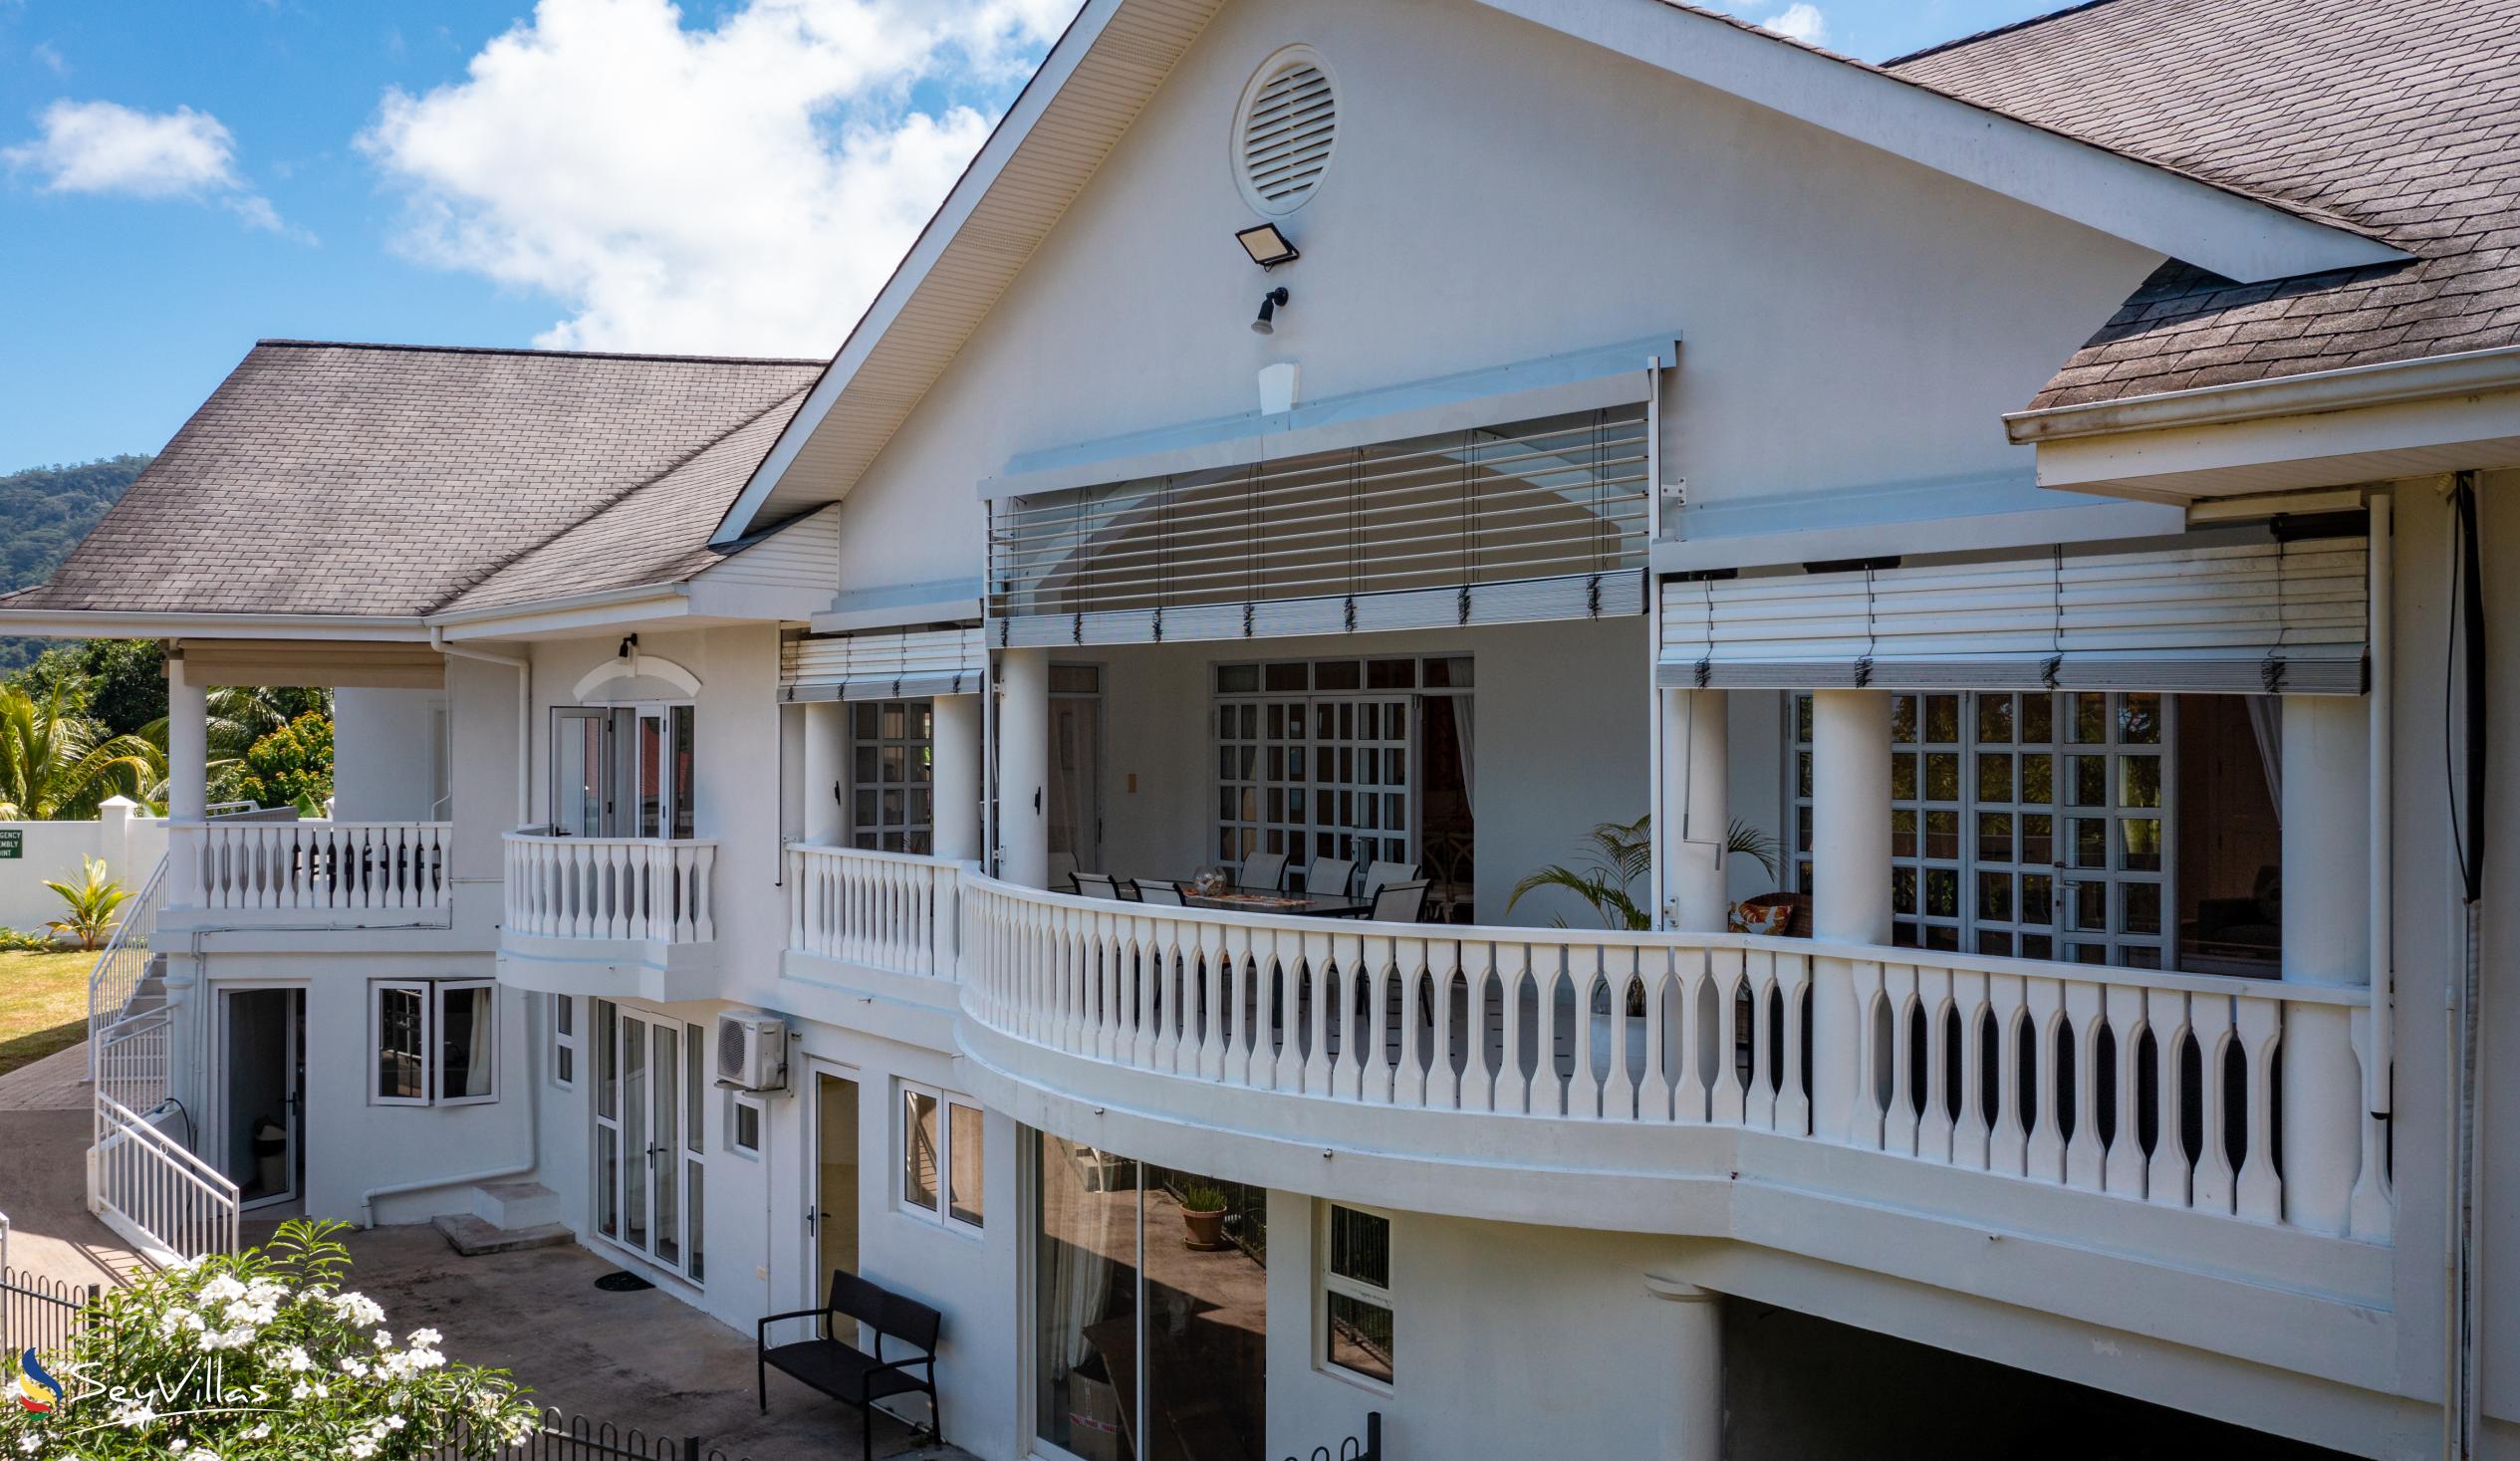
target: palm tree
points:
(56, 763)
(237, 717)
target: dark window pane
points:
(1942, 718)
(2038, 719)
(1994, 720)
(1994, 777)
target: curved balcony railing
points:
(2154, 1087)
(605, 887)
(896, 912)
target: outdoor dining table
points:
(1258, 900)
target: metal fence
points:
(37, 1313)
(567, 1438)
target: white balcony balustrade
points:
(621, 889)
(892, 911)
(2154, 1087)
(312, 866)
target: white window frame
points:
(565, 1040)
(419, 989)
(1327, 1283)
(738, 1102)
(432, 995)
(943, 1214)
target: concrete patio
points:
(641, 1360)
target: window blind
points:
(883, 665)
(2245, 618)
(1535, 519)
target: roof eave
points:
(2346, 387)
(154, 624)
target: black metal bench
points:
(839, 1369)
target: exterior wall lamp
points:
(1267, 247)
(1267, 323)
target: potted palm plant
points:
(1616, 853)
(1203, 1214)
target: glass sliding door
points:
(1151, 1310)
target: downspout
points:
(533, 1137)
(2379, 1067)
(1658, 867)
(523, 668)
(2464, 672)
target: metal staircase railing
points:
(124, 967)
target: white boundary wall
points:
(130, 843)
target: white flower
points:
(222, 1289)
(134, 1417)
(361, 1449)
(294, 1360)
(178, 1444)
(355, 1368)
(260, 1432)
(30, 1443)
(358, 1309)
(427, 1338)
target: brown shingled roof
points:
(356, 479)
(2402, 117)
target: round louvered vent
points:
(1284, 132)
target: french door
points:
(650, 1109)
(262, 1100)
(622, 771)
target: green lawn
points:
(43, 1004)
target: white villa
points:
(1336, 455)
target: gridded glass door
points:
(1308, 774)
(893, 782)
(650, 1106)
(2032, 825)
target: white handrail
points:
(623, 888)
(124, 964)
(2154, 1087)
(166, 1202)
(130, 1059)
(361, 865)
(899, 911)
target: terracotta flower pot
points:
(1206, 1230)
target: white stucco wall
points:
(1501, 192)
(389, 758)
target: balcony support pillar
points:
(1850, 885)
(1693, 1414)
(958, 778)
(1023, 766)
(825, 773)
(2327, 940)
(1691, 822)
(187, 780)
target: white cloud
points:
(1799, 22)
(106, 148)
(741, 187)
(44, 51)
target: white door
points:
(831, 1218)
(650, 1106)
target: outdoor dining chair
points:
(1263, 871)
(1380, 876)
(1162, 894)
(1328, 877)
(1400, 902)
(1098, 886)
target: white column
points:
(2327, 940)
(1693, 816)
(187, 782)
(1693, 1413)
(957, 777)
(1851, 882)
(114, 839)
(825, 773)
(1023, 766)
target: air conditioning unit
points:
(752, 1051)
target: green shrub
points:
(258, 1356)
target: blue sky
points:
(179, 178)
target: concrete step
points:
(514, 1205)
(471, 1237)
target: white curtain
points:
(2266, 718)
(1467, 736)
(1072, 780)
(1079, 1258)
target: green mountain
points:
(44, 512)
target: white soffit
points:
(1090, 88)
(2169, 212)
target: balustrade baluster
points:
(2008, 1139)
(2085, 1154)
(2043, 1154)
(2258, 1192)
(1972, 1136)
(2209, 1016)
